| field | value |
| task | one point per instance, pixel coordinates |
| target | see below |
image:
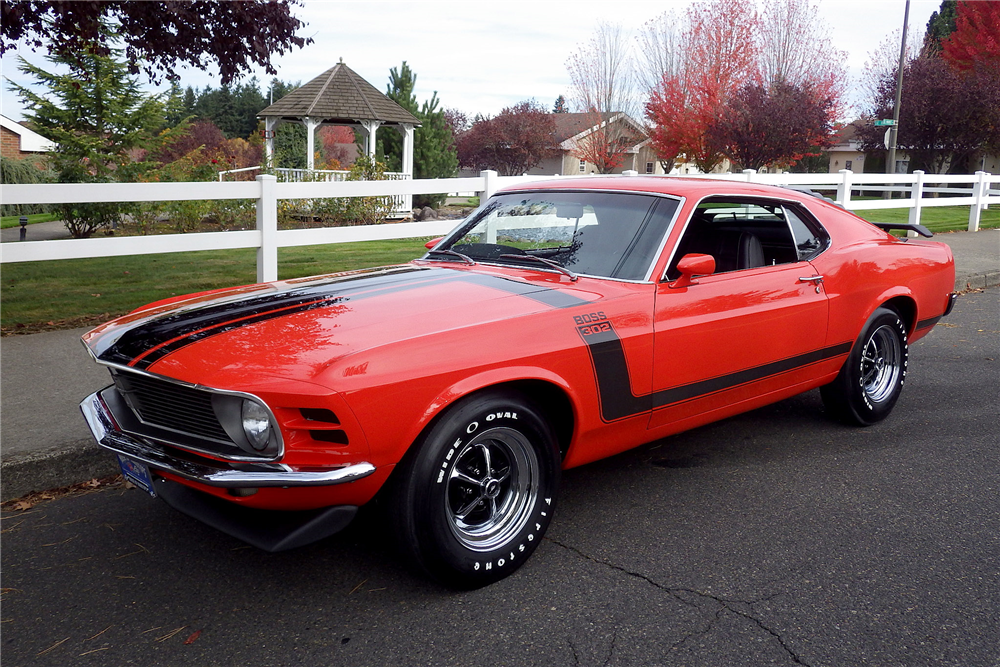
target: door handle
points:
(815, 280)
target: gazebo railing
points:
(401, 204)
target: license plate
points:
(137, 473)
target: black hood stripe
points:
(148, 341)
(136, 341)
(615, 387)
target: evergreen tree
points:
(940, 26)
(560, 105)
(389, 144)
(173, 112)
(102, 124)
(190, 98)
(290, 138)
(434, 154)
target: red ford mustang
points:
(561, 323)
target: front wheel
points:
(472, 502)
(871, 380)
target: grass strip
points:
(79, 292)
(9, 221)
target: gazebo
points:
(339, 96)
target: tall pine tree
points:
(103, 126)
(434, 154)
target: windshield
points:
(613, 235)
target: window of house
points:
(847, 165)
(649, 167)
(583, 166)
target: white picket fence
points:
(978, 193)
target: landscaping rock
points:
(426, 213)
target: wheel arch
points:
(549, 395)
(906, 307)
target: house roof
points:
(572, 127)
(339, 95)
(31, 142)
(569, 125)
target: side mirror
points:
(433, 242)
(693, 265)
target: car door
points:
(754, 329)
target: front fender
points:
(483, 380)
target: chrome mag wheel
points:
(493, 486)
(881, 363)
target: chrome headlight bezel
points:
(232, 409)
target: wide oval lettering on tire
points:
(472, 500)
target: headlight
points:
(256, 424)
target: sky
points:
(483, 56)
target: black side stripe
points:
(615, 388)
(929, 322)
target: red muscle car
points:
(563, 322)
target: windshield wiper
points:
(547, 262)
(452, 253)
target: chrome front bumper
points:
(237, 475)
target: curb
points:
(981, 281)
(76, 462)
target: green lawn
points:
(15, 220)
(78, 292)
(937, 219)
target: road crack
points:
(681, 595)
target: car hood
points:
(300, 328)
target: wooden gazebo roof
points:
(339, 96)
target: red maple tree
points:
(976, 40)
(512, 142)
(724, 46)
(717, 60)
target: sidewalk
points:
(44, 442)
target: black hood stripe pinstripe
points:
(148, 341)
(615, 387)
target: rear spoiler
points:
(910, 227)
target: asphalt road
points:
(774, 538)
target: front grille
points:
(171, 406)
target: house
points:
(847, 153)
(17, 141)
(573, 129)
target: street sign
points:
(882, 123)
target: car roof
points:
(695, 188)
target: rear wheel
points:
(475, 498)
(871, 380)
